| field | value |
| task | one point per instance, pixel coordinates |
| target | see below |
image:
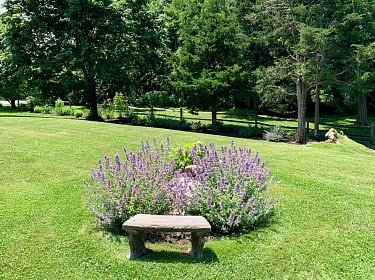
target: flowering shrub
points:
(116, 191)
(230, 186)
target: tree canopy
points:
(283, 57)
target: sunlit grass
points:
(323, 227)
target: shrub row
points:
(243, 132)
(59, 109)
(108, 111)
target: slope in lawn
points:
(324, 225)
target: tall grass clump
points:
(229, 186)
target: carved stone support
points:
(137, 243)
(197, 243)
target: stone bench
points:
(138, 226)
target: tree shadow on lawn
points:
(40, 116)
(164, 256)
(15, 115)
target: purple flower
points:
(238, 220)
(155, 200)
(231, 218)
(250, 202)
(143, 195)
(221, 204)
(243, 195)
(252, 213)
(209, 202)
(135, 190)
(236, 189)
(223, 181)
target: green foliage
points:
(275, 134)
(43, 109)
(38, 109)
(156, 98)
(250, 131)
(182, 156)
(65, 111)
(79, 49)
(196, 126)
(78, 113)
(119, 103)
(59, 107)
(217, 127)
(168, 123)
(210, 53)
(106, 111)
(205, 54)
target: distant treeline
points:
(284, 56)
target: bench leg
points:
(197, 243)
(137, 243)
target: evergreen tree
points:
(210, 53)
(300, 30)
(352, 55)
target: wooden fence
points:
(368, 132)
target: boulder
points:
(332, 136)
(191, 170)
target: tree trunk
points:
(301, 103)
(93, 102)
(362, 111)
(12, 102)
(256, 110)
(214, 117)
(317, 112)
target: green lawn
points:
(324, 225)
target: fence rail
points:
(153, 111)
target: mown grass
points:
(323, 227)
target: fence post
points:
(308, 127)
(181, 112)
(152, 111)
(372, 136)
(256, 119)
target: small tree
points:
(119, 103)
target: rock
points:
(191, 170)
(332, 136)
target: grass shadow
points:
(163, 256)
(15, 115)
